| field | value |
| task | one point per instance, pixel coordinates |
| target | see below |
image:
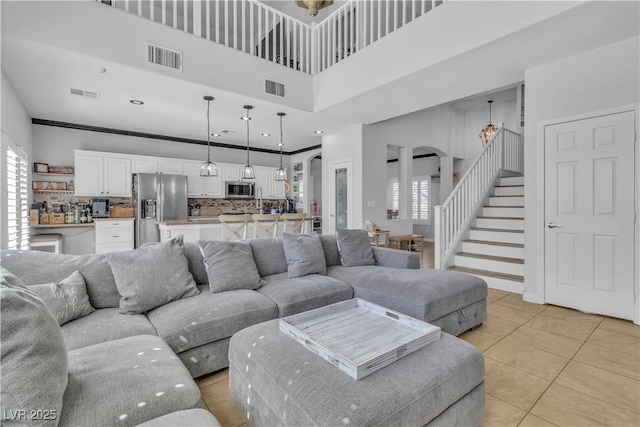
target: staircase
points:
(494, 250)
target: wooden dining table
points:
(407, 242)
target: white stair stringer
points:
(494, 250)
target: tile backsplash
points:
(215, 207)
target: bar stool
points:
(234, 227)
(46, 242)
(293, 222)
(265, 225)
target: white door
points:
(589, 214)
(341, 196)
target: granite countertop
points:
(192, 220)
(199, 220)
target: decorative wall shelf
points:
(54, 174)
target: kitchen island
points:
(204, 228)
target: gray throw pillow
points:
(355, 248)
(230, 265)
(34, 359)
(151, 276)
(67, 300)
(304, 254)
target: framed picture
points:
(40, 167)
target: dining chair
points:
(265, 225)
(294, 222)
(234, 227)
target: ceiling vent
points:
(274, 88)
(85, 93)
(164, 57)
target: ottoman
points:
(276, 381)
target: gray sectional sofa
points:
(197, 329)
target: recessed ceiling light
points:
(215, 134)
(266, 134)
(136, 102)
(279, 144)
(100, 70)
(318, 132)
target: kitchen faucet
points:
(259, 199)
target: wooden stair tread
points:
(491, 257)
(485, 242)
(486, 273)
(513, 185)
(506, 207)
(500, 230)
(502, 217)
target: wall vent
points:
(274, 88)
(85, 93)
(164, 57)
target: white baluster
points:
(175, 14)
(152, 11)
(164, 12)
(197, 18)
(207, 19)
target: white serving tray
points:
(357, 336)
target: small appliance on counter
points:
(289, 206)
(100, 208)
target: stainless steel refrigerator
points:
(157, 197)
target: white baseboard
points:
(533, 298)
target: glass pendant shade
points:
(247, 171)
(208, 168)
(489, 130)
(281, 173)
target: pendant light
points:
(489, 130)
(208, 168)
(281, 173)
(248, 172)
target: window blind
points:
(17, 199)
(420, 199)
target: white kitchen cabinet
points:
(266, 179)
(145, 164)
(198, 186)
(100, 174)
(230, 172)
(173, 167)
(114, 234)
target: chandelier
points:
(489, 130)
(313, 6)
(208, 168)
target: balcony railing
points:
(260, 30)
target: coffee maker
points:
(289, 206)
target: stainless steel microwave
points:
(239, 190)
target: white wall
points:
(345, 145)
(55, 146)
(16, 123)
(593, 81)
(446, 129)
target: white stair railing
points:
(260, 30)
(504, 152)
(359, 23)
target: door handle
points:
(553, 225)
